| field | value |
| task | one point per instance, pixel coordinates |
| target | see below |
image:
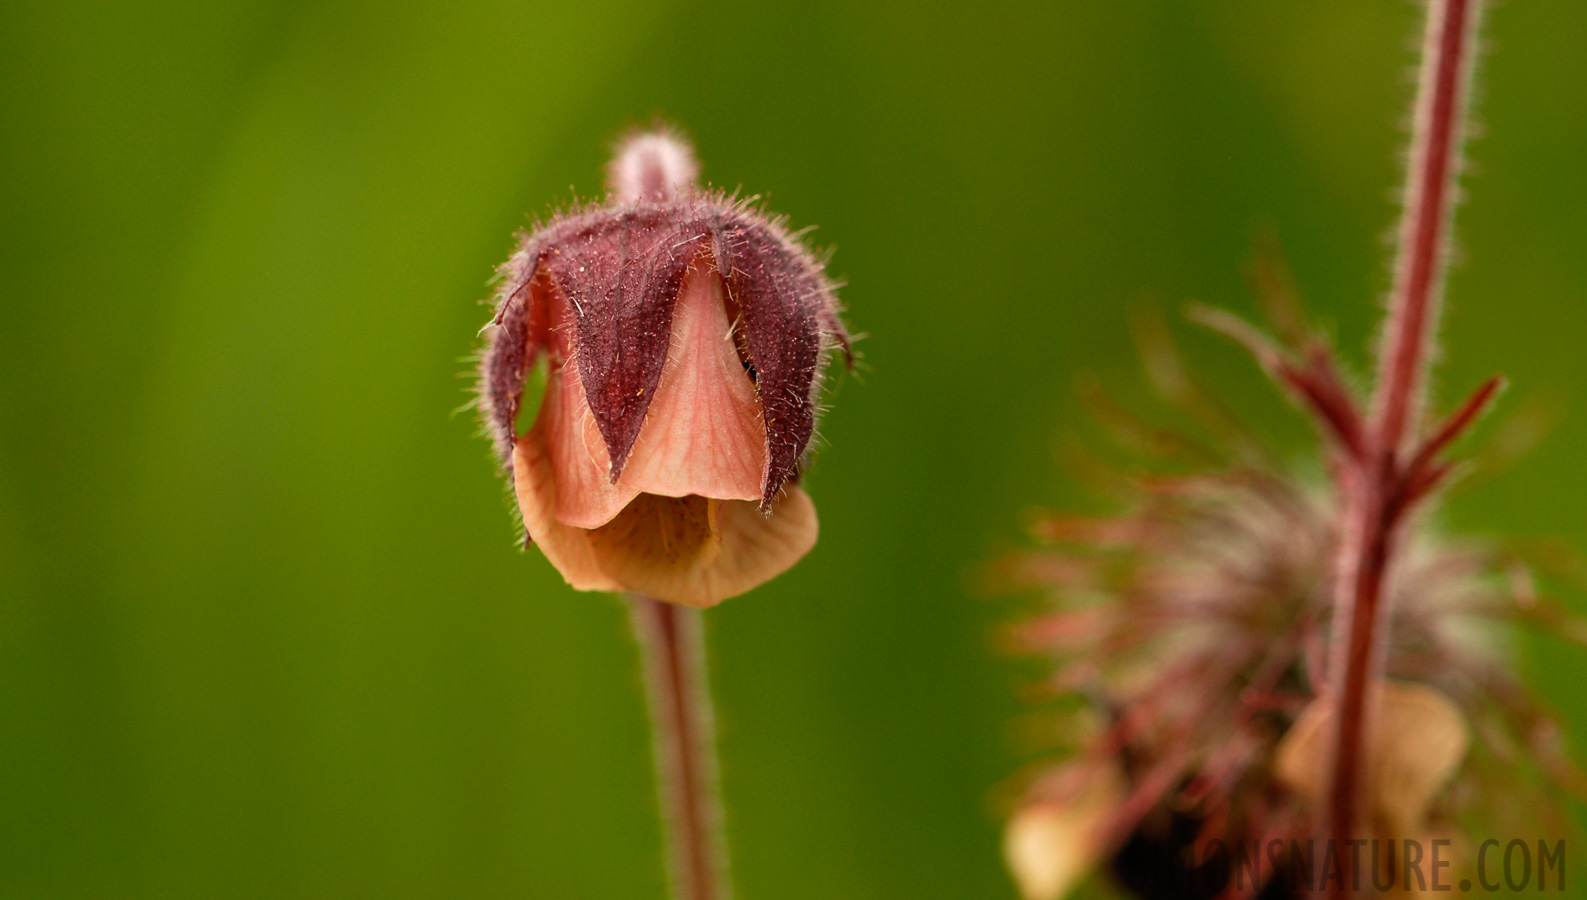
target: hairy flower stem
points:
(672, 644)
(1373, 484)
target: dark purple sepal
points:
(622, 269)
(622, 272)
(519, 336)
(784, 301)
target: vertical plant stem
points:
(1447, 49)
(672, 646)
(1372, 507)
(1359, 636)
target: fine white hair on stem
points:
(652, 166)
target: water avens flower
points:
(684, 334)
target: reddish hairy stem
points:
(1424, 225)
(1358, 651)
(672, 644)
(1372, 516)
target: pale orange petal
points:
(699, 552)
(1050, 846)
(586, 497)
(1418, 742)
(1044, 853)
(703, 434)
(568, 548)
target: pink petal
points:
(703, 434)
(698, 552)
(568, 549)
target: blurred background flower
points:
(262, 628)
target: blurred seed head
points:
(1195, 623)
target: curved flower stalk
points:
(1301, 663)
(683, 334)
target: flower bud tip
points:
(652, 166)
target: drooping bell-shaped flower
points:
(685, 335)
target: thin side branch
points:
(1315, 384)
(1455, 426)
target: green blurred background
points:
(263, 628)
